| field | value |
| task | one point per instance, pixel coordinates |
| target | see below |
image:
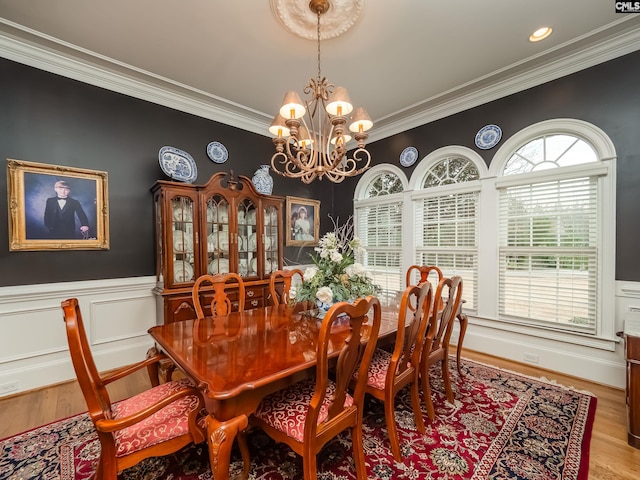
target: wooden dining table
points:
(237, 359)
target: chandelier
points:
(311, 137)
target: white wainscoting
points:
(33, 345)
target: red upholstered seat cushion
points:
(169, 422)
(378, 367)
(286, 410)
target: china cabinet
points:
(222, 226)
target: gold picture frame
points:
(53, 207)
(302, 231)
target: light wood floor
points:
(611, 457)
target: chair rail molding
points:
(118, 312)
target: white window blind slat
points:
(549, 253)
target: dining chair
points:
(436, 344)
(424, 271)
(390, 372)
(156, 422)
(307, 414)
(284, 278)
(210, 291)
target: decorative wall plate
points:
(178, 164)
(217, 152)
(408, 156)
(488, 137)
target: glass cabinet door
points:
(270, 239)
(247, 238)
(218, 236)
(183, 236)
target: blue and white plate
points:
(408, 156)
(488, 137)
(217, 152)
(178, 164)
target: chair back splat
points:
(308, 414)
(283, 278)
(173, 411)
(423, 271)
(210, 293)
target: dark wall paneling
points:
(606, 95)
(51, 119)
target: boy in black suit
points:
(60, 214)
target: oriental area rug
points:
(502, 425)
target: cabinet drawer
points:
(253, 303)
(178, 309)
(253, 292)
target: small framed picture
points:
(54, 207)
(303, 221)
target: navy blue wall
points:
(51, 119)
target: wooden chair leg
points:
(108, 471)
(446, 377)
(464, 320)
(309, 466)
(415, 403)
(389, 414)
(358, 450)
(426, 391)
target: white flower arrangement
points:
(336, 276)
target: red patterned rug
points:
(502, 425)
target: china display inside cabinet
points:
(222, 226)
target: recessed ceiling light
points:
(540, 34)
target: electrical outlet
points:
(9, 387)
(531, 358)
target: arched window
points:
(378, 208)
(555, 184)
(445, 205)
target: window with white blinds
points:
(380, 231)
(446, 236)
(548, 253)
(532, 233)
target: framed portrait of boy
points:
(53, 207)
(303, 222)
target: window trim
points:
(417, 177)
(605, 171)
(488, 186)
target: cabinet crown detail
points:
(223, 226)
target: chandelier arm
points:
(361, 155)
(294, 158)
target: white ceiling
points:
(407, 61)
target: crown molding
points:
(598, 47)
(46, 53)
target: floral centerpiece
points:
(336, 276)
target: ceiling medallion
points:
(296, 17)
